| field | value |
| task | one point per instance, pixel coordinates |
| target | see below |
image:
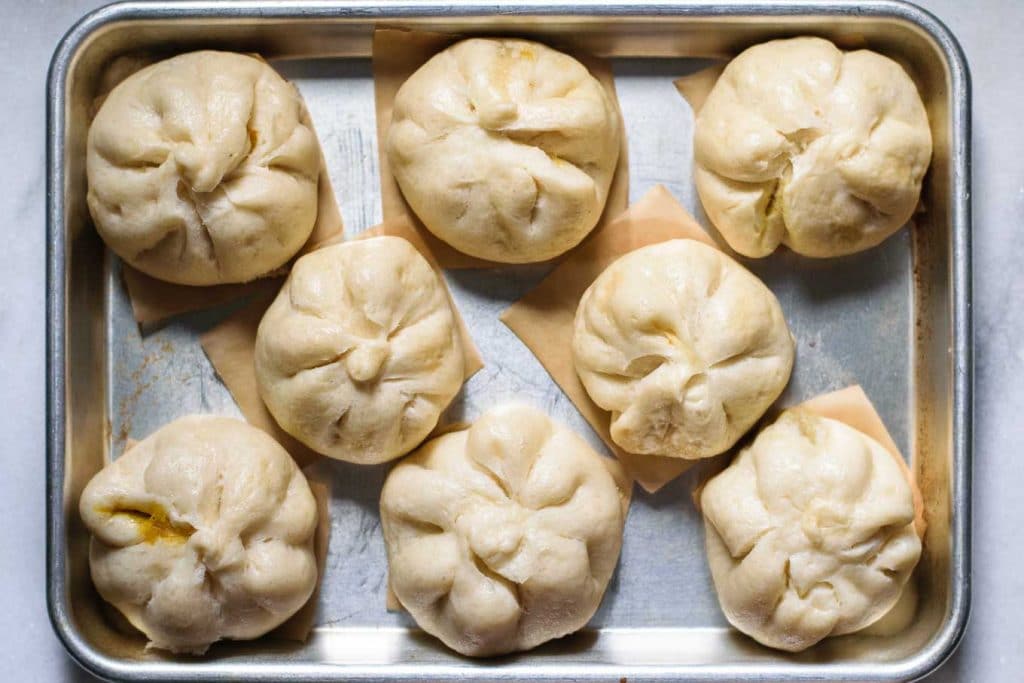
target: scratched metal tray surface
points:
(896, 319)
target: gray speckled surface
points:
(989, 33)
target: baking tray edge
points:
(921, 664)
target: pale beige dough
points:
(359, 353)
(202, 169)
(503, 536)
(200, 532)
(809, 532)
(683, 346)
(802, 144)
(505, 149)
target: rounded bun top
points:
(203, 169)
(505, 149)
(802, 144)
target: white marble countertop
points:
(990, 34)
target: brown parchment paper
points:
(852, 406)
(397, 54)
(695, 87)
(299, 626)
(391, 602)
(156, 300)
(543, 319)
(231, 348)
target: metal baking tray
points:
(896, 319)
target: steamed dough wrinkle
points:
(802, 144)
(683, 346)
(505, 149)
(809, 532)
(360, 352)
(200, 532)
(505, 535)
(203, 170)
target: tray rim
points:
(914, 667)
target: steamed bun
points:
(504, 148)
(202, 531)
(359, 353)
(810, 532)
(685, 347)
(802, 144)
(202, 169)
(503, 536)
